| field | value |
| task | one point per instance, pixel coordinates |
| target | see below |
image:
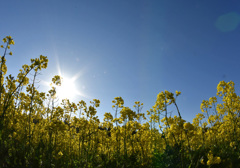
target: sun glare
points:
(67, 89)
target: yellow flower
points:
(60, 153)
(188, 126)
(14, 134)
(217, 160)
(11, 42)
(1, 46)
(7, 47)
(4, 40)
(177, 93)
(202, 161)
(213, 160)
(10, 53)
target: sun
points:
(67, 90)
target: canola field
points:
(34, 132)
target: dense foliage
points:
(34, 132)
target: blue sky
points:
(129, 48)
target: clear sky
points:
(129, 48)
